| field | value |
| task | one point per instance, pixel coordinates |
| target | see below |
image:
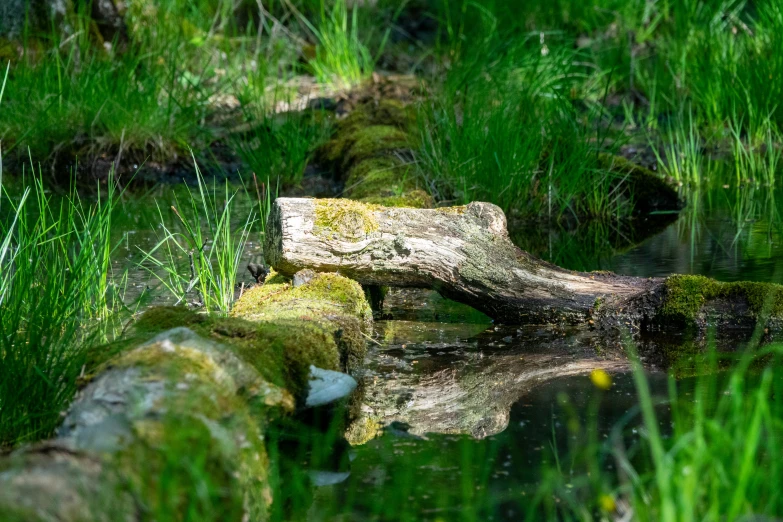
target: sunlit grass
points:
(504, 132)
(341, 58)
(203, 254)
(58, 294)
(718, 459)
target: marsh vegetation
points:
(139, 163)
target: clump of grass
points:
(78, 99)
(279, 147)
(341, 59)
(181, 69)
(57, 296)
(265, 197)
(506, 132)
(682, 157)
(756, 160)
(719, 460)
(204, 254)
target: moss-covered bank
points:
(170, 423)
(692, 299)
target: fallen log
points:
(465, 253)
(170, 422)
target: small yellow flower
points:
(606, 502)
(601, 379)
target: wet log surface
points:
(465, 254)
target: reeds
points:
(203, 253)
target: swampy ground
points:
(137, 168)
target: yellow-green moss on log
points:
(346, 218)
(370, 150)
(324, 319)
(686, 295)
(170, 423)
(387, 181)
(280, 330)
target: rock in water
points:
(327, 386)
(327, 478)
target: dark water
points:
(730, 234)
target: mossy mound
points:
(686, 296)
(167, 431)
(387, 181)
(323, 319)
(174, 414)
(210, 468)
(649, 191)
(370, 150)
(280, 330)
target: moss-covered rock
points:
(687, 295)
(171, 420)
(321, 322)
(169, 430)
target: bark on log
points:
(465, 253)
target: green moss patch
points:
(184, 466)
(323, 320)
(386, 181)
(277, 329)
(368, 151)
(349, 219)
(687, 294)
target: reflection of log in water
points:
(469, 387)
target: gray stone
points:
(327, 386)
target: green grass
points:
(189, 73)
(507, 132)
(682, 158)
(203, 254)
(68, 96)
(718, 59)
(58, 295)
(719, 459)
(279, 147)
(341, 59)
(756, 160)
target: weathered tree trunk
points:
(465, 253)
